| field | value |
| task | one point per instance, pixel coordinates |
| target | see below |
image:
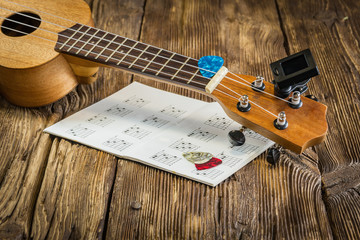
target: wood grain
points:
(74, 194)
(332, 32)
(52, 188)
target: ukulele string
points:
(130, 55)
(248, 100)
(163, 73)
(82, 25)
(70, 38)
(52, 41)
(64, 27)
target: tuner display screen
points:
(294, 65)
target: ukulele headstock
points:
(306, 125)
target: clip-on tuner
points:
(291, 75)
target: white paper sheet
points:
(155, 128)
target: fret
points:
(113, 50)
(87, 42)
(157, 54)
(106, 47)
(77, 40)
(165, 64)
(71, 37)
(116, 49)
(143, 51)
(96, 43)
(192, 77)
(127, 53)
(180, 68)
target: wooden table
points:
(56, 189)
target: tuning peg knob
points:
(243, 104)
(258, 85)
(273, 156)
(236, 137)
(295, 100)
(281, 123)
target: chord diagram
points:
(218, 122)
(165, 158)
(136, 132)
(136, 101)
(246, 148)
(155, 121)
(202, 135)
(79, 131)
(118, 111)
(183, 146)
(251, 134)
(209, 173)
(172, 111)
(228, 160)
(100, 120)
(117, 143)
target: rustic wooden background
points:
(56, 189)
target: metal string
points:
(100, 55)
(173, 60)
(166, 74)
(136, 64)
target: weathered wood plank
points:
(73, 199)
(259, 201)
(332, 31)
(77, 185)
(23, 151)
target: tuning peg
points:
(236, 137)
(281, 123)
(295, 100)
(258, 85)
(273, 155)
(243, 104)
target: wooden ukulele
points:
(48, 47)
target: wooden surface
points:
(52, 188)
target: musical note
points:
(117, 143)
(80, 131)
(202, 135)
(209, 173)
(172, 111)
(136, 101)
(100, 120)
(118, 111)
(218, 122)
(183, 146)
(155, 121)
(165, 158)
(136, 132)
(228, 160)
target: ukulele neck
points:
(120, 52)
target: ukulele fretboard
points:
(113, 50)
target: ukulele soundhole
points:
(20, 24)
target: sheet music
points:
(136, 123)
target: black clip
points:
(293, 73)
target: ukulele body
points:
(32, 73)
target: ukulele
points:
(49, 47)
